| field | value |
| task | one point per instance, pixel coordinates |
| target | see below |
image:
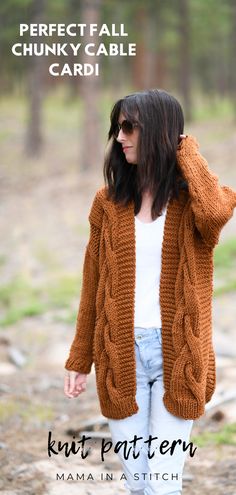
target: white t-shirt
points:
(149, 239)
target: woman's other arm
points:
(81, 352)
(213, 205)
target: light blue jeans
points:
(161, 474)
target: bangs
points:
(128, 107)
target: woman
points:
(145, 310)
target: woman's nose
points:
(121, 136)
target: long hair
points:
(161, 121)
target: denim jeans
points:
(161, 474)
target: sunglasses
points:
(127, 127)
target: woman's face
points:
(129, 142)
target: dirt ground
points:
(49, 214)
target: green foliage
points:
(228, 286)
(225, 254)
(69, 317)
(7, 409)
(225, 436)
(19, 299)
(205, 108)
(25, 410)
(63, 291)
(154, 25)
(225, 266)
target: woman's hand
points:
(74, 383)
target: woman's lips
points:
(127, 148)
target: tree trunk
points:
(184, 57)
(232, 58)
(148, 67)
(91, 151)
(34, 138)
(73, 12)
(139, 62)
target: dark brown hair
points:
(161, 121)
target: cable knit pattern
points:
(105, 322)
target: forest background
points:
(53, 136)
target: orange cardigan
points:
(105, 322)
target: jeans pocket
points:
(153, 354)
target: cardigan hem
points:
(186, 409)
(126, 408)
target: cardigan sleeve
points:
(80, 357)
(212, 204)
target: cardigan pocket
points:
(106, 360)
(108, 375)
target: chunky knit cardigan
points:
(105, 322)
